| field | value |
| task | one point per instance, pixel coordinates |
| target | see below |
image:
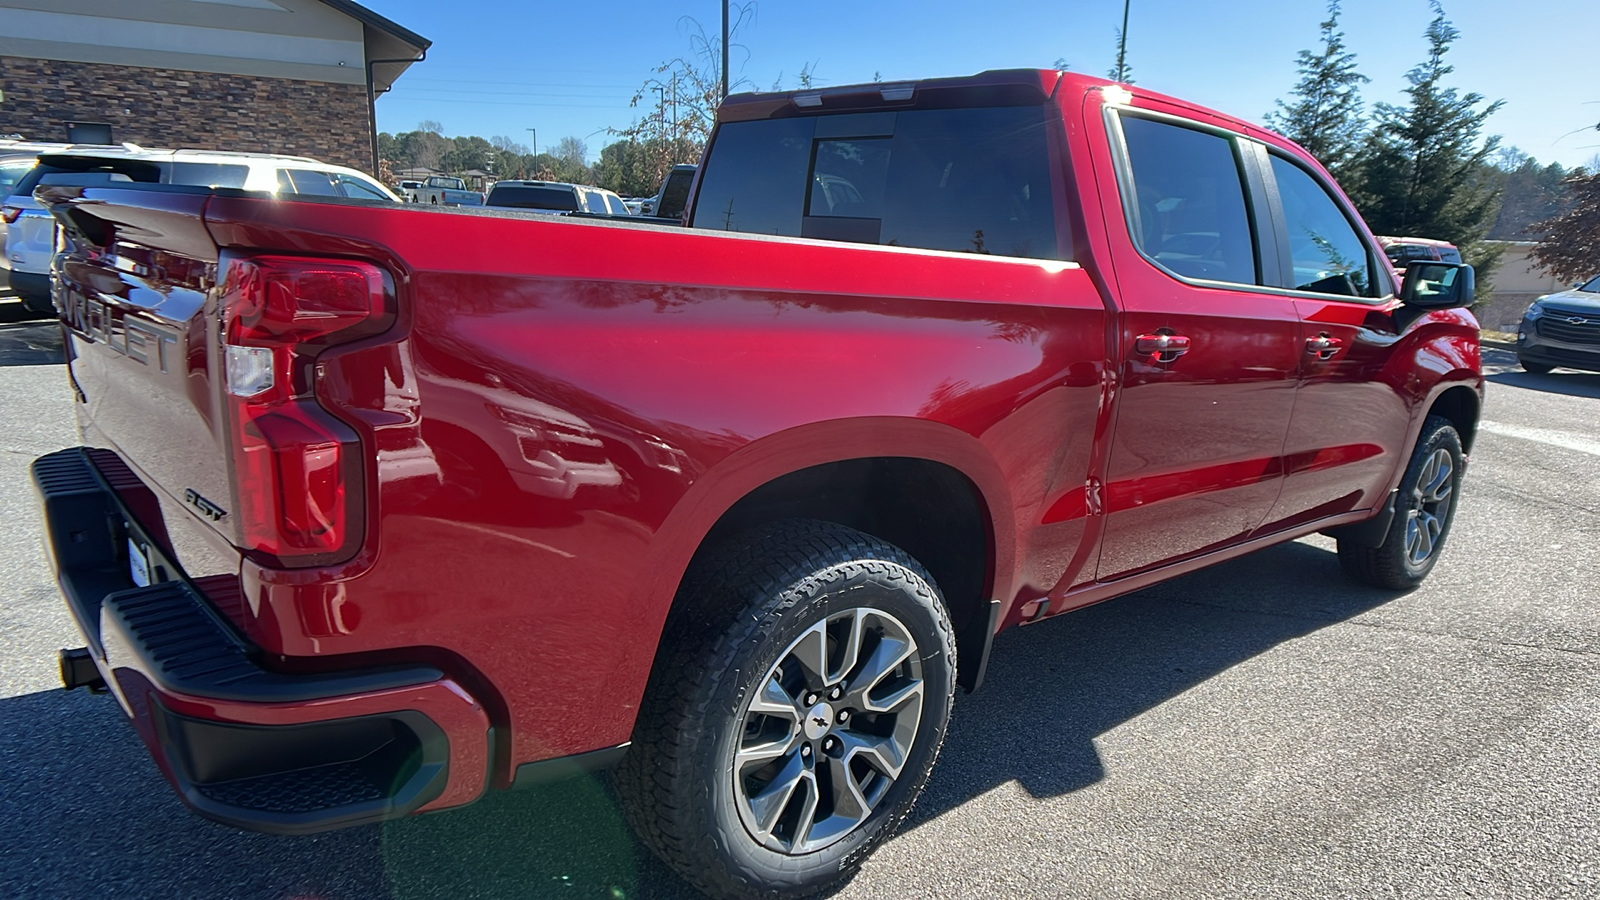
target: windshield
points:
(524, 197)
(1592, 285)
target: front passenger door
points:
(1350, 417)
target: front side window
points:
(306, 181)
(594, 202)
(1328, 256)
(1186, 208)
(357, 189)
(615, 206)
(965, 180)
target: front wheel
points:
(1424, 509)
(793, 726)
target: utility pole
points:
(1122, 43)
(725, 49)
(535, 140)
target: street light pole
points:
(1122, 43)
(724, 49)
(535, 140)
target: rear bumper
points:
(242, 744)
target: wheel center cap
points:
(818, 720)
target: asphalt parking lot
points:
(1262, 729)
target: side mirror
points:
(1437, 285)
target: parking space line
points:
(1563, 439)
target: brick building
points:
(273, 76)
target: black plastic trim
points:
(183, 644)
(561, 768)
(306, 778)
(974, 680)
(1371, 533)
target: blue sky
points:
(504, 66)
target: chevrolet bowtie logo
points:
(1577, 320)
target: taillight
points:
(10, 214)
(297, 468)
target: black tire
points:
(1394, 564)
(742, 612)
(1535, 368)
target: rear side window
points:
(209, 174)
(1186, 209)
(966, 180)
(518, 196)
(1329, 257)
(595, 202)
(11, 174)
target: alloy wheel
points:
(1430, 506)
(828, 730)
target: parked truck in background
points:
(380, 507)
(440, 190)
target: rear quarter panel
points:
(572, 405)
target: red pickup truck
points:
(379, 508)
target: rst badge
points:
(206, 507)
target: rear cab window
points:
(518, 196)
(971, 180)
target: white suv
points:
(30, 232)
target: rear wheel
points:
(1424, 509)
(1535, 368)
(797, 717)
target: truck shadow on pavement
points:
(1562, 381)
(30, 343)
(85, 811)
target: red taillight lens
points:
(10, 214)
(297, 468)
(290, 467)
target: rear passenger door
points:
(1208, 351)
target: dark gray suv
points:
(1562, 330)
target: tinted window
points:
(516, 196)
(971, 180)
(357, 189)
(1329, 258)
(307, 181)
(209, 174)
(755, 177)
(1188, 209)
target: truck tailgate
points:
(134, 292)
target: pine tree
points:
(1325, 117)
(1424, 170)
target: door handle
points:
(1161, 347)
(1323, 346)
